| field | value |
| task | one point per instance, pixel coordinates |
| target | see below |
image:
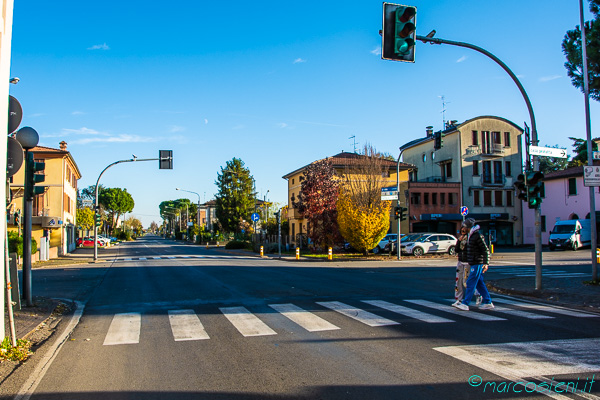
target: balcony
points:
(487, 150)
(493, 180)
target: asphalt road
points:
(170, 321)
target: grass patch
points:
(595, 283)
(19, 353)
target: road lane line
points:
(142, 258)
(245, 322)
(409, 312)
(540, 307)
(124, 329)
(356, 313)
(448, 308)
(305, 319)
(186, 325)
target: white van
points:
(571, 234)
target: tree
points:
(85, 218)
(571, 46)
(363, 217)
(551, 164)
(317, 203)
(580, 150)
(235, 198)
(153, 226)
(116, 201)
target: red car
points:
(87, 242)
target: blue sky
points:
(277, 84)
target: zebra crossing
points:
(186, 324)
(206, 257)
(517, 271)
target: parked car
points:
(87, 241)
(383, 242)
(430, 243)
(405, 238)
(105, 241)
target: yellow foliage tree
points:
(363, 226)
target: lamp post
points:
(28, 138)
(198, 212)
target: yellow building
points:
(54, 211)
(343, 162)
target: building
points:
(55, 211)
(475, 167)
(343, 162)
(570, 199)
(208, 215)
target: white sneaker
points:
(488, 306)
(462, 307)
(457, 302)
(478, 300)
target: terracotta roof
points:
(567, 173)
(343, 160)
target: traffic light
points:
(396, 212)
(165, 159)
(521, 186)
(398, 34)
(534, 189)
(403, 213)
(17, 218)
(32, 178)
(438, 142)
(97, 219)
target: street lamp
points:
(189, 191)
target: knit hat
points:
(469, 223)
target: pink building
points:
(564, 197)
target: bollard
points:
(598, 255)
(262, 249)
(217, 244)
(297, 253)
(492, 246)
(330, 254)
(207, 245)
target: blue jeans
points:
(475, 281)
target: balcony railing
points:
(494, 149)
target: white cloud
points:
(299, 60)
(376, 51)
(282, 125)
(83, 131)
(176, 128)
(205, 121)
(77, 113)
(123, 138)
(549, 78)
(102, 46)
(463, 58)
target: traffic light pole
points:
(534, 139)
(135, 159)
(399, 220)
(27, 211)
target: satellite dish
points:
(14, 158)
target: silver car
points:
(431, 243)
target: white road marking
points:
(157, 258)
(124, 329)
(246, 322)
(448, 308)
(356, 313)
(523, 361)
(142, 258)
(305, 319)
(541, 307)
(186, 325)
(409, 312)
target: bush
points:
(123, 235)
(15, 244)
(238, 244)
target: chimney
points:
(429, 130)
(63, 145)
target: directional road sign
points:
(389, 193)
(255, 217)
(547, 152)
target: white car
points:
(431, 243)
(386, 239)
(104, 240)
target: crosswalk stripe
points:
(356, 313)
(124, 329)
(518, 313)
(142, 258)
(541, 307)
(565, 275)
(157, 258)
(128, 259)
(450, 309)
(186, 325)
(246, 322)
(305, 319)
(409, 312)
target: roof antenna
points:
(354, 142)
(444, 102)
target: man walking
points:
(478, 257)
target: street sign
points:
(464, 211)
(591, 176)
(547, 152)
(389, 193)
(255, 217)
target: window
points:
(449, 170)
(498, 200)
(452, 198)
(293, 231)
(476, 198)
(424, 157)
(506, 139)
(434, 198)
(507, 168)
(487, 197)
(543, 190)
(415, 198)
(487, 172)
(293, 181)
(442, 199)
(498, 172)
(496, 137)
(543, 221)
(572, 186)
(475, 168)
(426, 199)
(509, 198)
(475, 138)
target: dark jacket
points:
(477, 250)
(461, 249)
